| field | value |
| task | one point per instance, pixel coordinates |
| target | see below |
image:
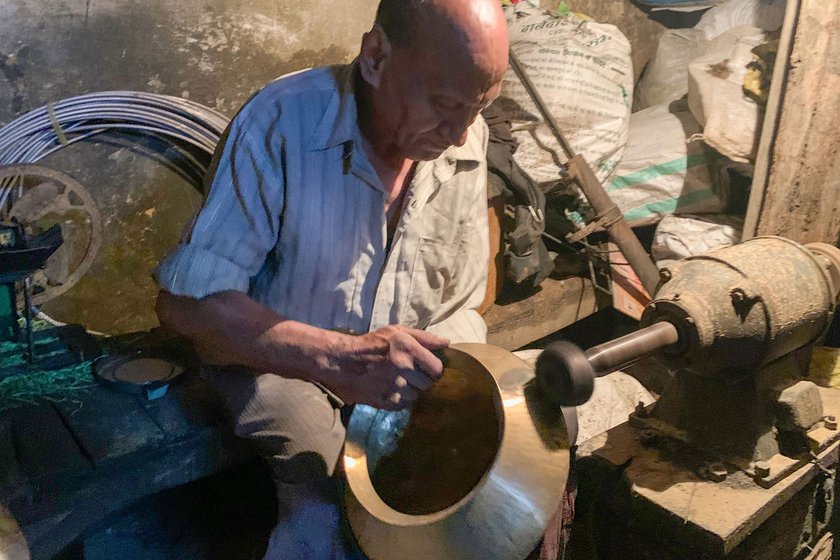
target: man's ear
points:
(375, 54)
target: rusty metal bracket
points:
(602, 221)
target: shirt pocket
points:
(432, 271)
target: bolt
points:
(664, 275)
(648, 434)
(761, 469)
(652, 306)
(676, 296)
(637, 417)
(716, 472)
(636, 421)
(830, 422)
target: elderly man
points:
(343, 240)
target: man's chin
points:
(427, 154)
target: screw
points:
(676, 296)
(830, 422)
(664, 275)
(761, 469)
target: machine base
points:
(641, 499)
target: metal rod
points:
(582, 173)
(546, 114)
(623, 351)
(27, 314)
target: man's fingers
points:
(409, 354)
(400, 398)
(427, 339)
(428, 362)
(416, 379)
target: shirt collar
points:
(339, 123)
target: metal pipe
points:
(538, 101)
(579, 170)
(616, 354)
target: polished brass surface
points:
(474, 470)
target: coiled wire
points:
(41, 132)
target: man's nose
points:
(459, 139)
(456, 131)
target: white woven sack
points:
(664, 170)
(730, 119)
(584, 73)
(764, 14)
(678, 237)
(666, 75)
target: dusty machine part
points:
(742, 307)
(567, 374)
(721, 320)
(474, 470)
(38, 194)
(737, 459)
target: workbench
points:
(65, 466)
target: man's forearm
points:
(230, 328)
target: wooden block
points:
(558, 304)
(110, 425)
(43, 444)
(190, 405)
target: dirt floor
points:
(227, 516)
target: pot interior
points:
(427, 458)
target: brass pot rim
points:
(511, 503)
(388, 514)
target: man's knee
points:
(294, 424)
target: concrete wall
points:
(213, 51)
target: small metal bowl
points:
(473, 470)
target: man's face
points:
(430, 99)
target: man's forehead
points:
(465, 81)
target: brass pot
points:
(474, 470)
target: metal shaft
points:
(579, 170)
(623, 351)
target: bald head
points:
(474, 30)
(428, 68)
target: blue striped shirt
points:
(295, 217)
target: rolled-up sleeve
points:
(227, 243)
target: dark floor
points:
(227, 516)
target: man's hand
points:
(387, 368)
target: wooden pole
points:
(801, 196)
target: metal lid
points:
(137, 371)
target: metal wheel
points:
(38, 197)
